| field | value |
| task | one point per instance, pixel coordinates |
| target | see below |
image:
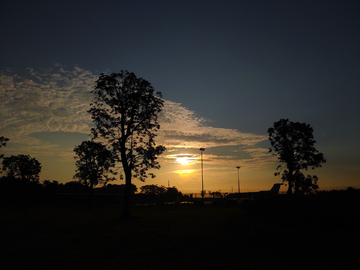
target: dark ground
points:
(320, 232)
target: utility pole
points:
(202, 173)
(238, 167)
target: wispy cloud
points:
(57, 99)
(51, 100)
(181, 127)
(259, 157)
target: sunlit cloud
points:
(181, 128)
(259, 157)
(57, 100)
(185, 159)
(184, 172)
(51, 100)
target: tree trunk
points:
(289, 191)
(297, 188)
(127, 193)
(291, 182)
(91, 197)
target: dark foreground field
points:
(272, 234)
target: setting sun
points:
(183, 160)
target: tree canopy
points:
(22, 167)
(94, 162)
(153, 190)
(293, 144)
(125, 112)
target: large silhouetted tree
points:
(293, 144)
(94, 162)
(125, 111)
(22, 167)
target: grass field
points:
(261, 235)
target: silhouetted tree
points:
(293, 144)
(125, 111)
(153, 193)
(172, 194)
(94, 163)
(22, 167)
(216, 194)
(153, 190)
(306, 185)
(3, 141)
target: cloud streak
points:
(57, 99)
(181, 127)
(54, 100)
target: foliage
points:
(153, 190)
(293, 144)
(125, 111)
(306, 185)
(93, 162)
(172, 194)
(3, 141)
(22, 167)
(162, 194)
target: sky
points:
(227, 71)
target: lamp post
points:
(202, 173)
(238, 167)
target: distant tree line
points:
(21, 183)
(20, 180)
(292, 143)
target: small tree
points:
(153, 190)
(293, 144)
(172, 194)
(94, 163)
(125, 111)
(22, 167)
(153, 193)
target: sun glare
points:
(183, 160)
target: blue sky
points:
(227, 70)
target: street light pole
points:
(238, 167)
(202, 173)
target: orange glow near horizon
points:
(184, 172)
